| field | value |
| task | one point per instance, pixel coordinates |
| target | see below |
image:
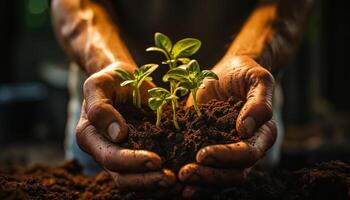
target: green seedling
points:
(191, 77)
(135, 80)
(179, 52)
(160, 97)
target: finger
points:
(144, 181)
(99, 90)
(258, 107)
(203, 175)
(241, 154)
(195, 191)
(112, 156)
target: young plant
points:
(191, 77)
(179, 52)
(160, 97)
(135, 80)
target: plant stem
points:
(159, 116)
(174, 114)
(172, 89)
(194, 95)
(136, 97)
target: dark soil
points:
(217, 125)
(328, 180)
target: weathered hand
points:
(101, 126)
(244, 79)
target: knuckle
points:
(97, 80)
(97, 111)
(266, 77)
(81, 129)
(263, 110)
(273, 129)
(83, 132)
(268, 110)
(90, 82)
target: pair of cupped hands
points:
(102, 127)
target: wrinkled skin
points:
(244, 79)
(132, 170)
(138, 170)
(269, 36)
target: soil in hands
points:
(217, 125)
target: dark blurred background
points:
(33, 89)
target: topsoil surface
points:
(217, 125)
(327, 180)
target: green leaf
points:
(193, 67)
(136, 73)
(186, 47)
(178, 70)
(183, 91)
(178, 74)
(123, 74)
(145, 71)
(210, 75)
(148, 78)
(158, 92)
(155, 102)
(168, 62)
(148, 69)
(127, 82)
(171, 97)
(184, 60)
(188, 85)
(159, 50)
(162, 41)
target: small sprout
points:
(135, 80)
(191, 77)
(160, 97)
(180, 51)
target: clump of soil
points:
(327, 180)
(217, 125)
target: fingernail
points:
(249, 125)
(113, 131)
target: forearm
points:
(272, 32)
(88, 35)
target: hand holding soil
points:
(101, 126)
(241, 78)
(203, 143)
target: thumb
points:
(101, 113)
(258, 108)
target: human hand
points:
(101, 127)
(228, 164)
